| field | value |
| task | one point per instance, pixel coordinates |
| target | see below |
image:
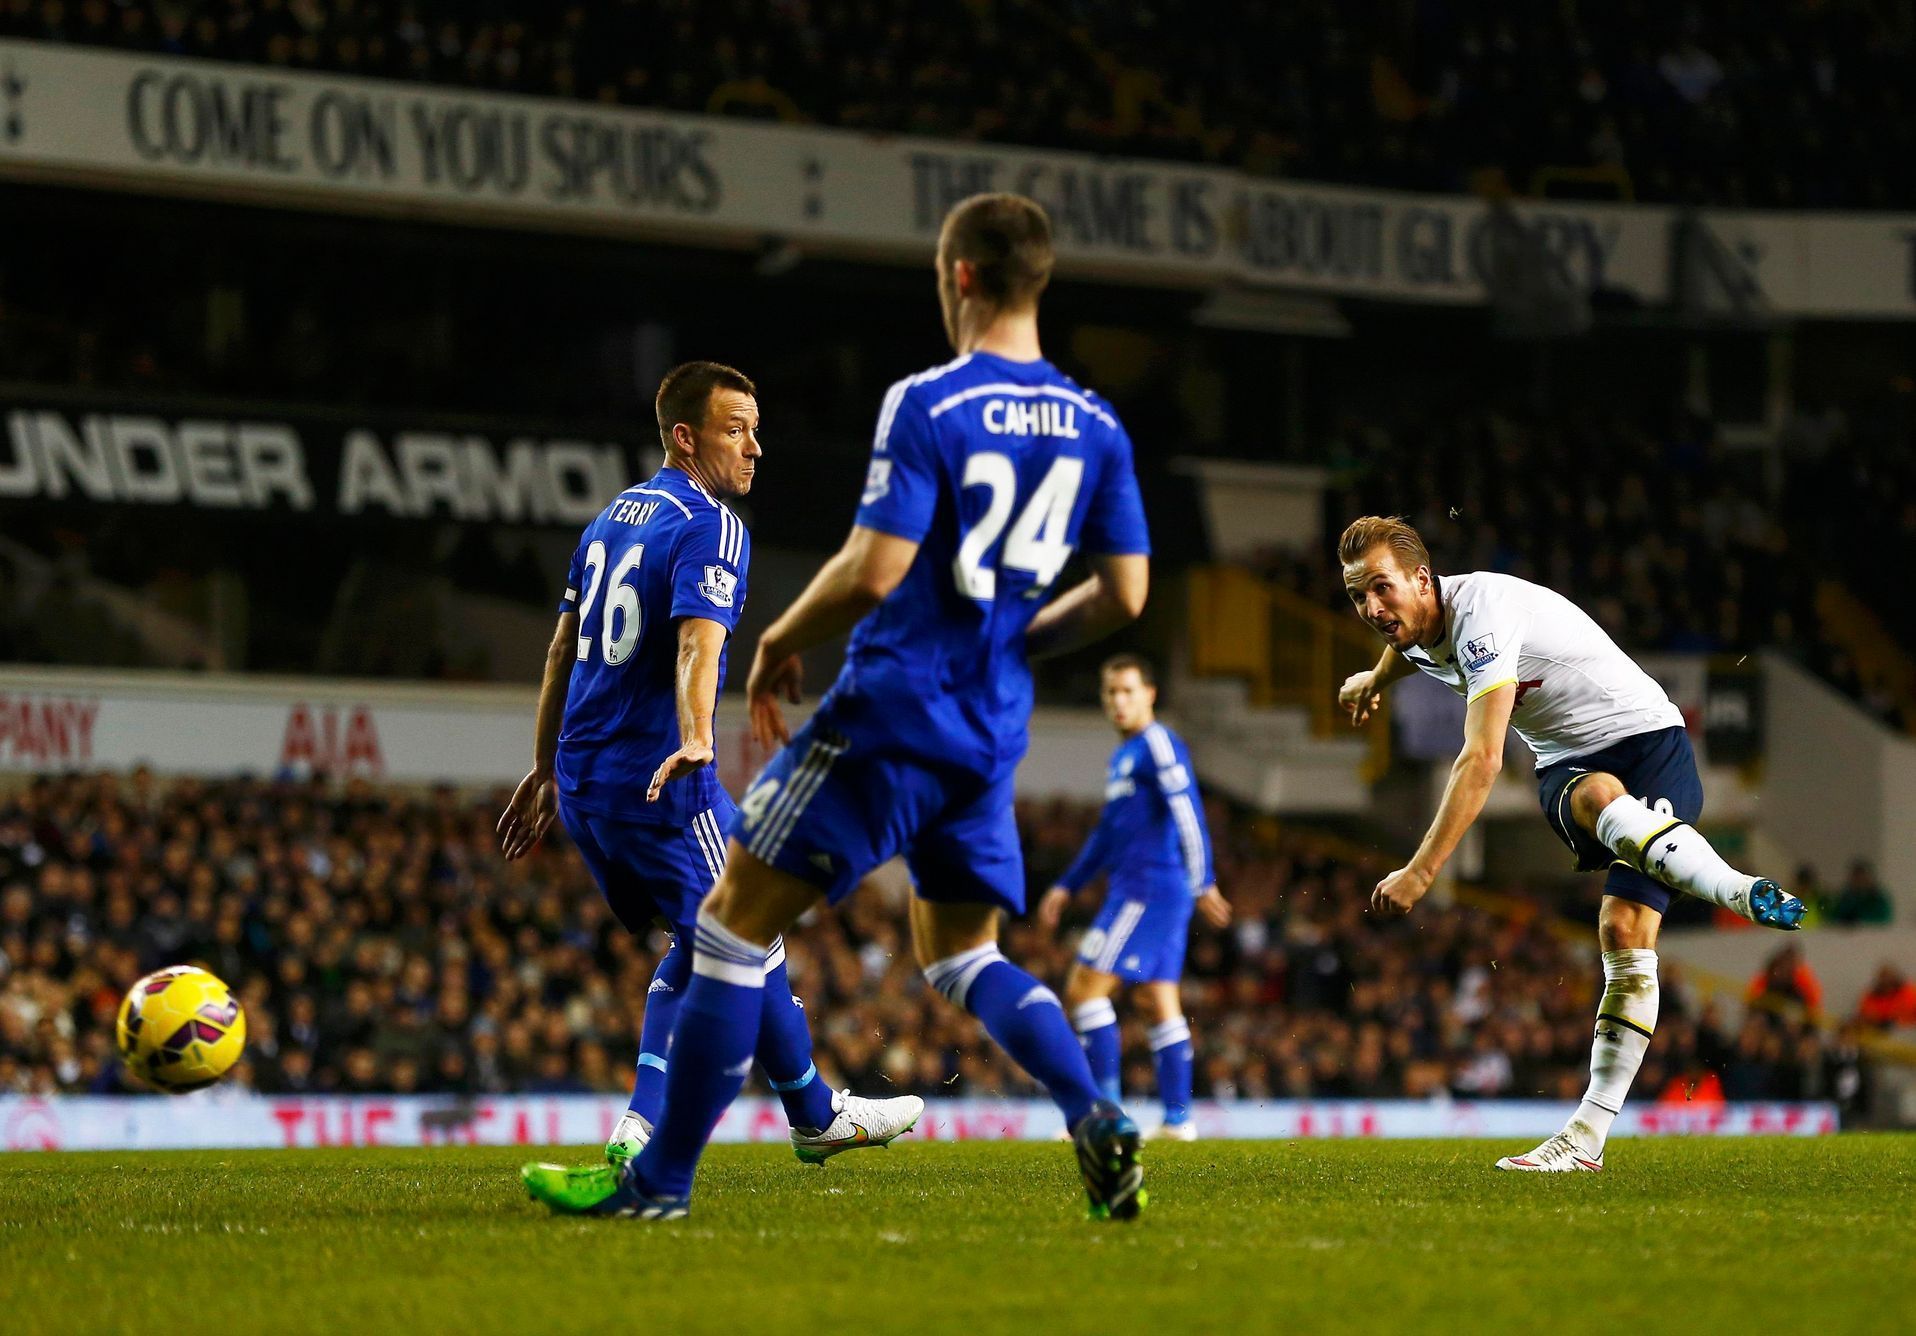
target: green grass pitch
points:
(1676, 1235)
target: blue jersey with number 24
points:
(999, 470)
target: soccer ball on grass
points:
(180, 1028)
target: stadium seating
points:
(1774, 105)
(379, 944)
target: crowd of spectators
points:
(1859, 900)
(1780, 104)
(1661, 542)
(1890, 1002)
(1670, 540)
(378, 943)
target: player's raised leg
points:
(1626, 1020)
(957, 948)
(1668, 848)
(957, 945)
(1088, 994)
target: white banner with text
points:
(59, 720)
(133, 121)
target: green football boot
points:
(569, 1191)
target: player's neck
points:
(690, 469)
(1128, 733)
(1437, 625)
(1012, 335)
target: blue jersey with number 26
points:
(662, 551)
(999, 470)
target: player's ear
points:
(965, 276)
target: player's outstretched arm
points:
(1087, 612)
(1471, 776)
(1361, 691)
(536, 801)
(859, 577)
(701, 642)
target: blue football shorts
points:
(1659, 770)
(647, 871)
(828, 812)
(1140, 941)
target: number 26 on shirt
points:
(1037, 542)
(621, 599)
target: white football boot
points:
(1184, 1131)
(1562, 1154)
(860, 1122)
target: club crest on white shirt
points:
(720, 586)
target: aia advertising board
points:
(54, 721)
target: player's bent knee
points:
(1084, 984)
(1159, 1002)
(1625, 925)
(953, 975)
(1593, 793)
(942, 930)
(756, 900)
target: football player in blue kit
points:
(623, 747)
(987, 474)
(1151, 839)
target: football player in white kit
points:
(1615, 774)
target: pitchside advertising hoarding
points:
(231, 1120)
(56, 721)
(271, 136)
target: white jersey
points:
(1576, 691)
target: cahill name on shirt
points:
(1043, 417)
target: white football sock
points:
(1670, 850)
(1093, 1015)
(1626, 1018)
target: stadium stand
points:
(326, 324)
(1777, 104)
(378, 943)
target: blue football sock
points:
(1171, 1049)
(1025, 1018)
(1097, 1025)
(785, 1051)
(711, 1053)
(662, 1001)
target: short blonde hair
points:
(1391, 531)
(1008, 238)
